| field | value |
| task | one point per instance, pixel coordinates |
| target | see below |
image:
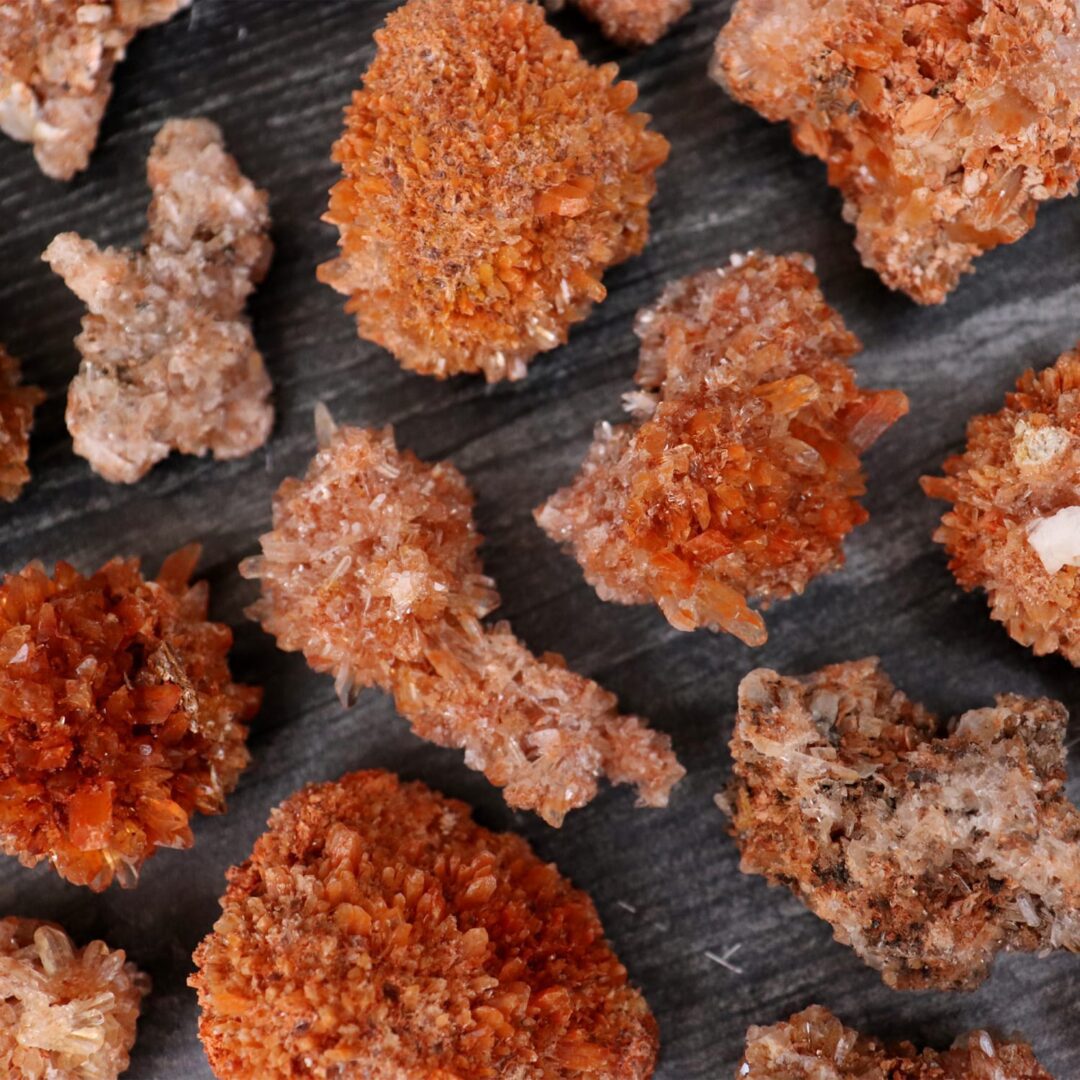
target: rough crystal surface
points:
(944, 125)
(372, 572)
(631, 22)
(168, 358)
(491, 176)
(377, 931)
(740, 475)
(17, 405)
(118, 716)
(928, 847)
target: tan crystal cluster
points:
(56, 64)
(168, 358)
(491, 176)
(740, 476)
(65, 1013)
(928, 847)
(372, 572)
(815, 1045)
(1014, 528)
(944, 125)
(377, 932)
(17, 405)
(631, 22)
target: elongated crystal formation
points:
(17, 405)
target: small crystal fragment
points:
(631, 22)
(17, 405)
(740, 475)
(491, 176)
(928, 847)
(372, 573)
(168, 358)
(377, 931)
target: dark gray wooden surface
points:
(275, 74)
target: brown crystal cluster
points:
(17, 405)
(168, 357)
(944, 125)
(1014, 529)
(377, 931)
(491, 176)
(118, 716)
(631, 22)
(65, 1013)
(815, 1045)
(56, 64)
(927, 852)
(372, 573)
(740, 475)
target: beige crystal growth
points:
(56, 64)
(168, 358)
(631, 22)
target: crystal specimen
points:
(491, 176)
(815, 1045)
(168, 358)
(943, 125)
(17, 405)
(1014, 529)
(740, 475)
(118, 716)
(376, 931)
(928, 847)
(631, 22)
(56, 64)
(372, 573)
(65, 1013)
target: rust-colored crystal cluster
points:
(491, 176)
(740, 475)
(56, 64)
(17, 405)
(1014, 529)
(168, 357)
(118, 717)
(631, 22)
(944, 125)
(65, 1013)
(815, 1045)
(372, 572)
(376, 931)
(927, 852)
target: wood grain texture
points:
(275, 74)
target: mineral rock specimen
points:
(491, 176)
(118, 717)
(631, 22)
(376, 931)
(56, 64)
(815, 1045)
(740, 474)
(168, 358)
(943, 125)
(1014, 529)
(17, 405)
(372, 572)
(928, 847)
(65, 1013)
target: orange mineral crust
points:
(378, 932)
(815, 1045)
(168, 357)
(1014, 529)
(65, 1013)
(119, 719)
(56, 64)
(17, 405)
(631, 22)
(739, 476)
(372, 573)
(944, 125)
(929, 847)
(491, 176)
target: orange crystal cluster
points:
(377, 931)
(1014, 529)
(944, 125)
(631, 22)
(372, 572)
(118, 716)
(740, 476)
(929, 847)
(17, 405)
(491, 176)
(815, 1045)
(65, 1013)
